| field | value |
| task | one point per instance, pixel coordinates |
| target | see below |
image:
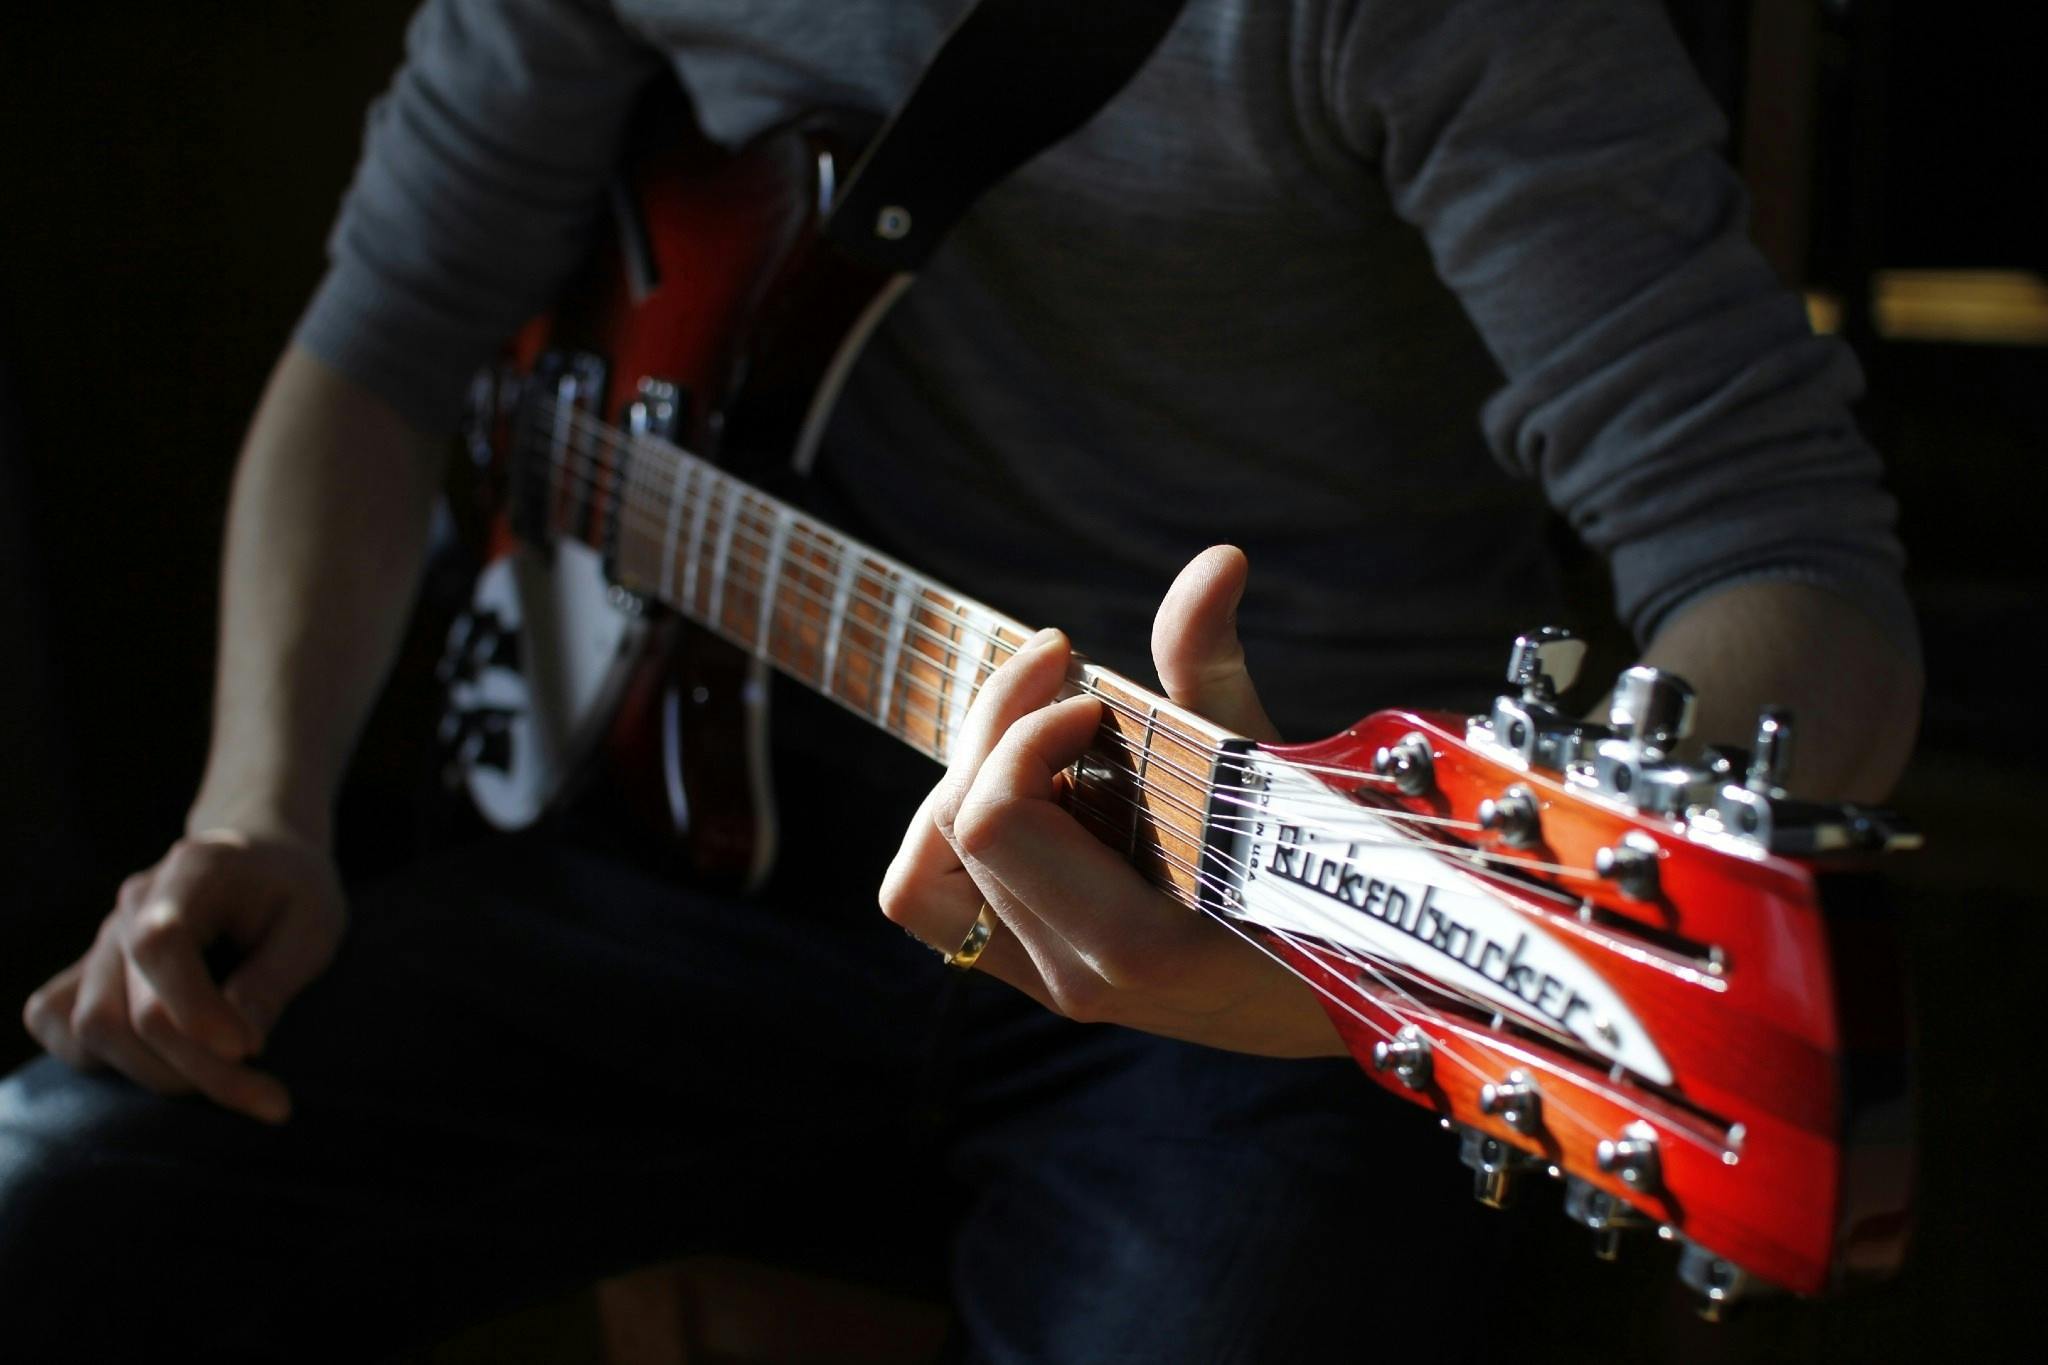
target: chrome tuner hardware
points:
(1718, 1282)
(1408, 762)
(1406, 1054)
(1526, 722)
(625, 601)
(1630, 865)
(1632, 1158)
(1513, 817)
(1494, 1164)
(660, 408)
(1649, 713)
(1514, 1101)
(1604, 1215)
(1770, 761)
(1750, 808)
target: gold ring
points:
(969, 952)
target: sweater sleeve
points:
(1562, 162)
(482, 172)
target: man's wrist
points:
(262, 810)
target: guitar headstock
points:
(1657, 978)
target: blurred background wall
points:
(167, 177)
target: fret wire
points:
(778, 548)
(899, 624)
(698, 514)
(678, 487)
(842, 597)
(1144, 757)
(721, 557)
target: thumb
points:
(1195, 648)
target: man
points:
(1258, 299)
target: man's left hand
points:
(1081, 932)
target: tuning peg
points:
(1513, 816)
(1631, 1158)
(1770, 759)
(1718, 1281)
(1630, 864)
(1494, 1165)
(1407, 761)
(1651, 707)
(1545, 662)
(1406, 1054)
(1514, 1101)
(1601, 1213)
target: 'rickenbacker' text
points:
(1414, 911)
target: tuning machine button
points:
(1514, 1101)
(1717, 1281)
(1545, 662)
(1408, 762)
(1406, 1054)
(1605, 1215)
(1770, 759)
(1495, 1165)
(1512, 817)
(1651, 708)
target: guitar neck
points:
(882, 640)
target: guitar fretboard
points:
(862, 628)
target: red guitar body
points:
(715, 279)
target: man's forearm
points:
(325, 537)
(1854, 693)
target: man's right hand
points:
(142, 1001)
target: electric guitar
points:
(1666, 983)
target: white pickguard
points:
(1320, 865)
(576, 652)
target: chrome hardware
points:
(1514, 1101)
(661, 409)
(625, 601)
(1494, 1165)
(1630, 865)
(892, 224)
(1545, 662)
(1512, 817)
(1651, 707)
(1770, 762)
(1408, 762)
(1406, 1055)
(1649, 713)
(1631, 1158)
(1526, 722)
(1606, 1216)
(1718, 1282)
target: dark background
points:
(168, 175)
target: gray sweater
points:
(1316, 283)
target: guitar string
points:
(1422, 1009)
(760, 587)
(650, 514)
(951, 644)
(942, 729)
(765, 505)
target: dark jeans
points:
(536, 1062)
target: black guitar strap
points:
(1011, 79)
